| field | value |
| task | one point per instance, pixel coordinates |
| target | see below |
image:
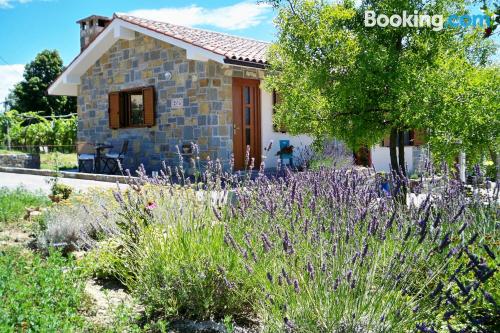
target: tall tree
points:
(31, 93)
(343, 79)
(463, 113)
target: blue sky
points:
(29, 26)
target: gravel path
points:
(39, 183)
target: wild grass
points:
(13, 203)
(58, 161)
(38, 295)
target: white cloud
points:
(10, 3)
(238, 16)
(9, 76)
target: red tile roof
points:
(231, 47)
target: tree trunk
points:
(495, 157)
(392, 149)
(401, 153)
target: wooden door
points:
(363, 157)
(246, 121)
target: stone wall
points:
(20, 161)
(206, 88)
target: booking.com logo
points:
(417, 20)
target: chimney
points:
(90, 27)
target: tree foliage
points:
(339, 78)
(31, 93)
(463, 110)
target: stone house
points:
(160, 85)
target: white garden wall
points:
(268, 133)
(381, 158)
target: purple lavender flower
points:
(336, 283)
(490, 253)
(285, 275)
(444, 242)
(269, 277)
(296, 286)
(217, 213)
(266, 243)
(462, 228)
(462, 208)
(489, 298)
(437, 290)
(436, 221)
(473, 239)
(426, 329)
(365, 250)
(249, 269)
(349, 275)
(287, 244)
(289, 325)
(310, 270)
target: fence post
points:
(8, 136)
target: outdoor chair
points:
(111, 159)
(286, 153)
(86, 159)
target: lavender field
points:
(316, 251)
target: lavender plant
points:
(79, 223)
(316, 251)
(333, 255)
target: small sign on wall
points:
(177, 102)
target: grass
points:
(39, 295)
(61, 161)
(13, 203)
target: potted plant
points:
(384, 182)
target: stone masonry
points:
(205, 87)
(30, 161)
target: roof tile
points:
(231, 47)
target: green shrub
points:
(59, 191)
(13, 203)
(38, 295)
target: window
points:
(135, 108)
(276, 101)
(131, 108)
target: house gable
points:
(203, 89)
(67, 83)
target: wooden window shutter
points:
(114, 110)
(418, 137)
(148, 95)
